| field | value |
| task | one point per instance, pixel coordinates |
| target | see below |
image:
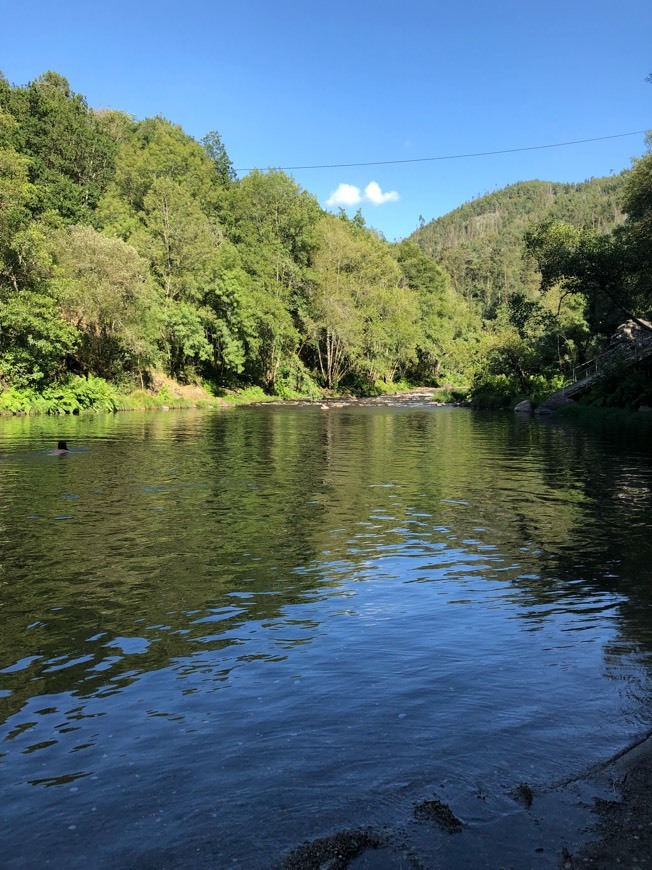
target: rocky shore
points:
(611, 806)
(624, 827)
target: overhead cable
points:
(449, 156)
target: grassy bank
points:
(79, 395)
(249, 395)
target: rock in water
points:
(436, 811)
(523, 794)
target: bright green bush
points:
(247, 395)
(494, 391)
(15, 401)
(79, 395)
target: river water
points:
(223, 633)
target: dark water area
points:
(223, 633)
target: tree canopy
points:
(128, 248)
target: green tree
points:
(71, 155)
(443, 317)
(34, 340)
(272, 222)
(390, 310)
(214, 148)
(333, 316)
(391, 331)
(104, 291)
(636, 235)
(17, 195)
(158, 149)
(359, 317)
(579, 260)
(178, 240)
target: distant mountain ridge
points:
(480, 244)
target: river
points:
(226, 632)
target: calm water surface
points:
(222, 633)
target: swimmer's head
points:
(61, 445)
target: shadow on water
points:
(205, 609)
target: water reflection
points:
(229, 605)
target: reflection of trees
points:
(584, 520)
(193, 531)
(165, 530)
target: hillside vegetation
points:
(481, 244)
(131, 256)
(551, 270)
(128, 248)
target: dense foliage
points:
(127, 247)
(481, 244)
(130, 252)
(551, 269)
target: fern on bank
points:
(91, 395)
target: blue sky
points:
(292, 83)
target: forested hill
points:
(129, 249)
(131, 253)
(481, 243)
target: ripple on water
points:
(309, 621)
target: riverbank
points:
(80, 395)
(610, 805)
(93, 395)
(410, 397)
(624, 826)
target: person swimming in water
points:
(62, 448)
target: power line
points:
(449, 156)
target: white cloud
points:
(346, 195)
(374, 195)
